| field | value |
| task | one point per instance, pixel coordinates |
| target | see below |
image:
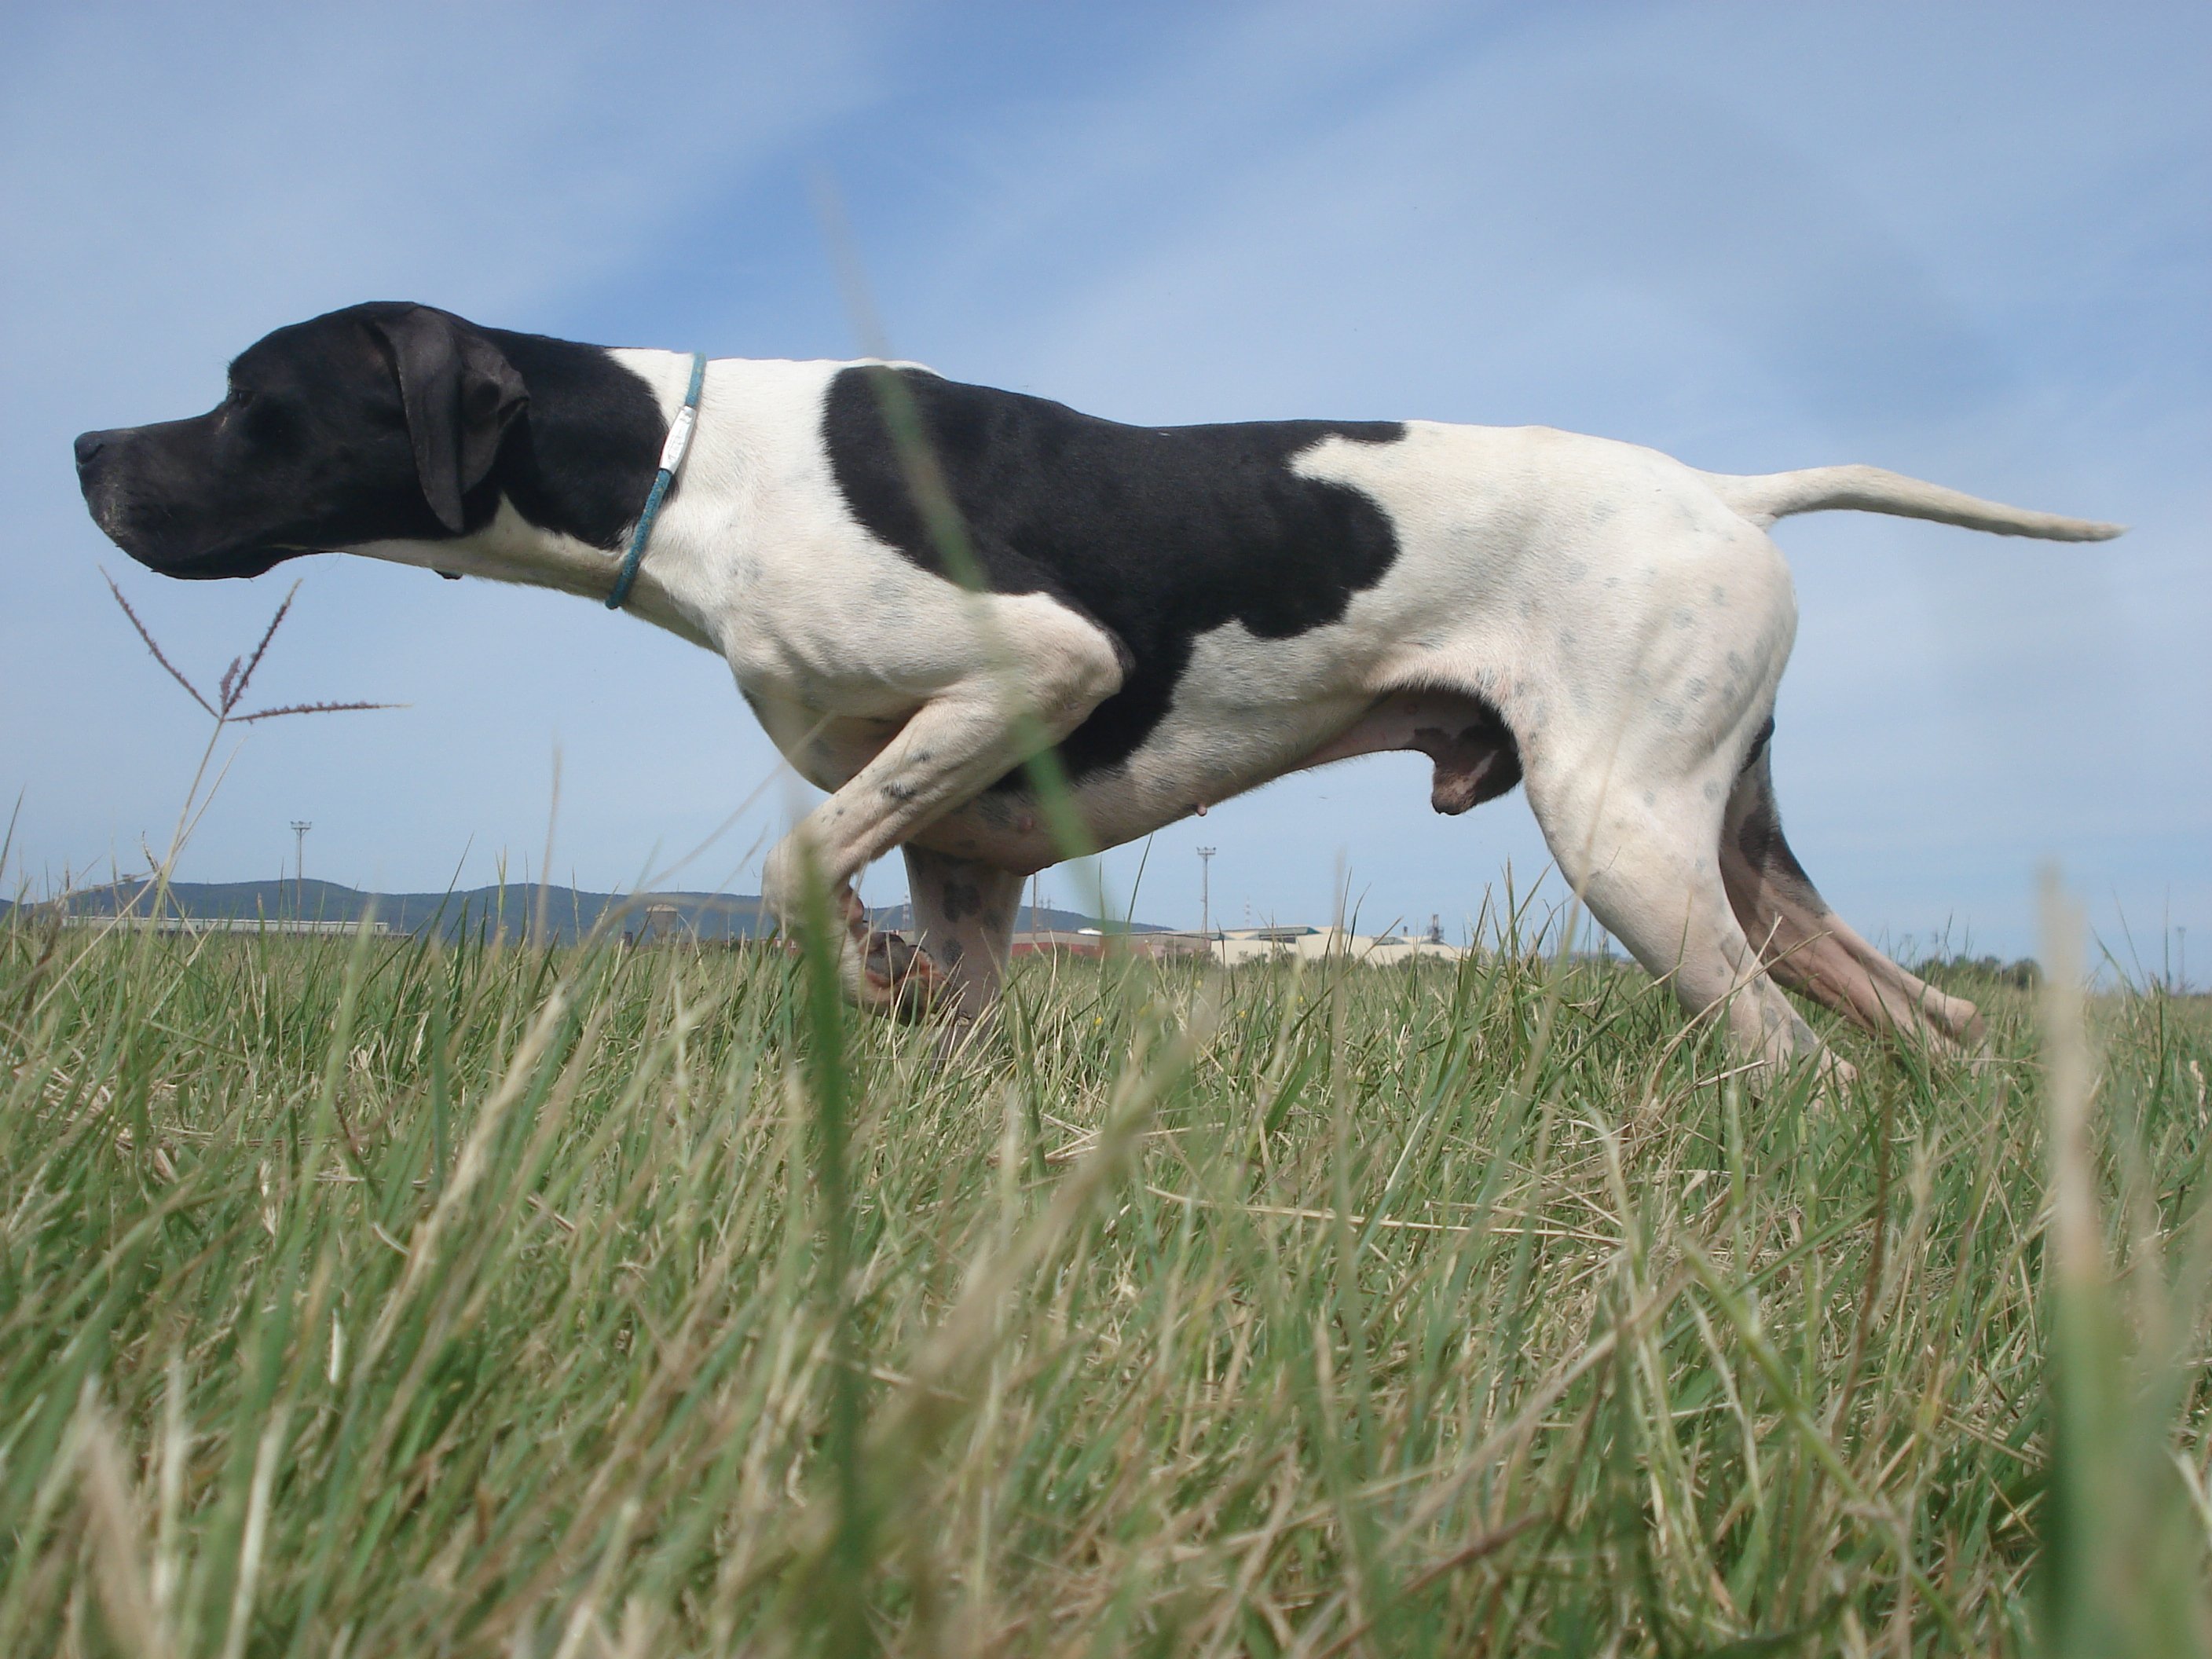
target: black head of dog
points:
(379, 422)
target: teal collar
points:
(671, 461)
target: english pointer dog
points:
(921, 585)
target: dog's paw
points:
(899, 979)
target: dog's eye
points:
(239, 397)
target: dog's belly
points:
(1475, 756)
(1198, 756)
(1247, 712)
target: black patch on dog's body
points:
(582, 461)
(1160, 534)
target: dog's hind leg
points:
(1809, 948)
(964, 920)
(1641, 852)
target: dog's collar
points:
(671, 461)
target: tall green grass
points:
(387, 1298)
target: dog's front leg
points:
(958, 745)
(964, 920)
(955, 746)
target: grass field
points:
(376, 1298)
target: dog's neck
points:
(552, 482)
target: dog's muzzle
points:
(92, 449)
(155, 539)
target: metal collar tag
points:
(671, 461)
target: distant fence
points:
(220, 924)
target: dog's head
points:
(379, 422)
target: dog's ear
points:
(460, 393)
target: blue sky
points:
(1968, 242)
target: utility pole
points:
(1205, 893)
(300, 828)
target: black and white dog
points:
(917, 583)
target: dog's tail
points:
(1772, 495)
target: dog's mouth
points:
(227, 564)
(163, 550)
(226, 561)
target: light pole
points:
(300, 828)
(1205, 893)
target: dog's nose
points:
(90, 444)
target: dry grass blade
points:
(174, 673)
(234, 694)
(2122, 1572)
(310, 709)
(240, 674)
(117, 1543)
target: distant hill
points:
(570, 912)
